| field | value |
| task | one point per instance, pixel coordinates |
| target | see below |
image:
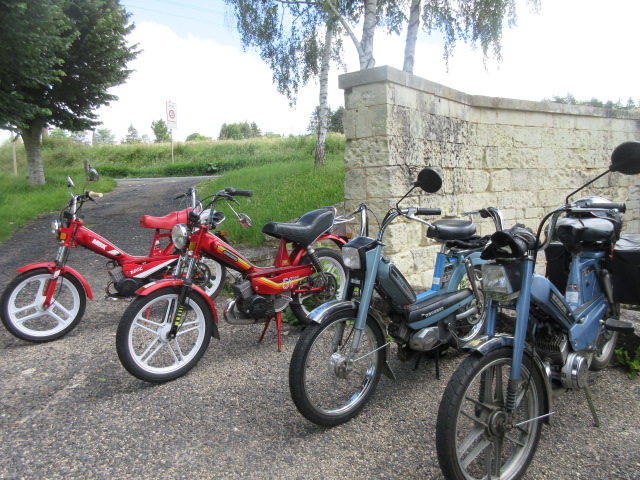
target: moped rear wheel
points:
(476, 437)
(142, 341)
(605, 346)
(335, 273)
(326, 388)
(23, 314)
(212, 279)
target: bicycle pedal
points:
(616, 325)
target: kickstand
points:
(278, 327)
(587, 392)
(436, 358)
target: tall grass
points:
(20, 202)
(281, 192)
(279, 171)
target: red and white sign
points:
(172, 116)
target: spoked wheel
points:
(476, 437)
(334, 270)
(22, 310)
(326, 387)
(142, 340)
(210, 276)
(470, 318)
(605, 347)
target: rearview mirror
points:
(429, 180)
(626, 158)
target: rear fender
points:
(51, 266)
(484, 345)
(153, 286)
(319, 314)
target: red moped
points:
(48, 299)
(166, 329)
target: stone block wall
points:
(520, 156)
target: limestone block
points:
(403, 235)
(367, 152)
(355, 184)
(500, 180)
(403, 96)
(364, 123)
(510, 117)
(380, 120)
(538, 119)
(469, 181)
(527, 137)
(400, 125)
(388, 182)
(407, 151)
(366, 95)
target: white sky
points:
(192, 57)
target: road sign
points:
(172, 116)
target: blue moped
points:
(565, 324)
(338, 360)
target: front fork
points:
(178, 311)
(50, 287)
(366, 294)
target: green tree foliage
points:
(239, 131)
(104, 136)
(196, 137)
(335, 120)
(160, 131)
(132, 135)
(62, 56)
(569, 99)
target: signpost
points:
(172, 122)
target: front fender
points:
(319, 314)
(484, 345)
(153, 286)
(51, 266)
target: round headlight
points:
(55, 228)
(180, 235)
(351, 258)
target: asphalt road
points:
(68, 409)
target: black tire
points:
(329, 396)
(21, 314)
(473, 424)
(605, 348)
(141, 340)
(334, 269)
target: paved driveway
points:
(69, 410)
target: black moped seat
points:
(306, 230)
(451, 229)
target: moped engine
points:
(124, 286)
(567, 368)
(247, 307)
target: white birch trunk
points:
(323, 114)
(368, 29)
(412, 36)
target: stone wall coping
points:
(388, 74)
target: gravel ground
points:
(68, 409)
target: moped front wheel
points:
(335, 273)
(143, 344)
(476, 437)
(24, 315)
(328, 386)
(470, 318)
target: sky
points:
(192, 56)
